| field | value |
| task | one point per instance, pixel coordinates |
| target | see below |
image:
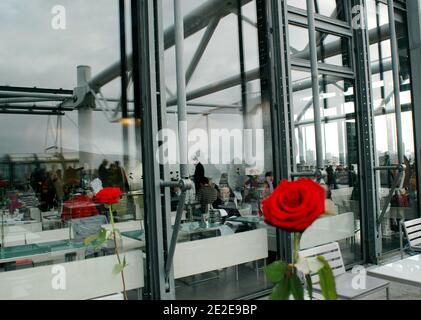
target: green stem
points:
(116, 250)
(297, 238)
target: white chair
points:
(344, 280)
(412, 230)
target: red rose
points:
(294, 206)
(108, 196)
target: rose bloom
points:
(294, 206)
(108, 196)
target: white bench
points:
(412, 230)
(344, 280)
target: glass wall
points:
(339, 142)
(404, 203)
(223, 243)
(335, 9)
(59, 148)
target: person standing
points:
(207, 194)
(58, 186)
(104, 174)
(120, 177)
(199, 175)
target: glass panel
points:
(340, 150)
(228, 129)
(405, 201)
(54, 162)
(335, 9)
(298, 4)
(298, 42)
(333, 49)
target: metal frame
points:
(315, 84)
(150, 102)
(414, 22)
(147, 104)
(365, 128)
(276, 94)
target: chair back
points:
(412, 231)
(332, 253)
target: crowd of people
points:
(74, 189)
(222, 195)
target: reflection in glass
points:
(404, 204)
(229, 154)
(331, 49)
(335, 9)
(54, 162)
(340, 149)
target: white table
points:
(407, 271)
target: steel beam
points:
(218, 86)
(26, 100)
(201, 48)
(34, 107)
(36, 90)
(351, 116)
(18, 94)
(29, 113)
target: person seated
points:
(206, 194)
(80, 206)
(267, 190)
(269, 181)
(225, 198)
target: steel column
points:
(85, 120)
(146, 98)
(276, 93)
(181, 89)
(315, 83)
(124, 82)
(365, 129)
(396, 79)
